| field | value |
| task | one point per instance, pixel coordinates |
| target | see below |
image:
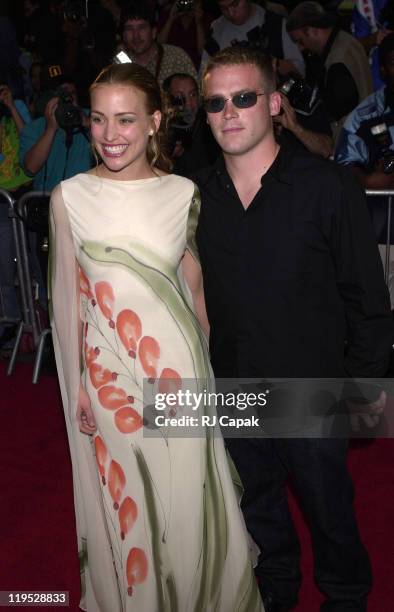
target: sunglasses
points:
(216, 104)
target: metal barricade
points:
(389, 194)
(6, 199)
(30, 322)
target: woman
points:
(158, 523)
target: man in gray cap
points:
(343, 72)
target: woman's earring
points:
(151, 133)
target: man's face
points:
(388, 70)
(71, 91)
(186, 88)
(236, 11)
(307, 39)
(138, 36)
(29, 7)
(239, 131)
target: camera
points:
(376, 134)
(303, 98)
(181, 122)
(76, 11)
(67, 114)
(381, 134)
(184, 6)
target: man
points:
(343, 72)
(138, 27)
(291, 272)
(366, 143)
(193, 146)
(48, 151)
(244, 22)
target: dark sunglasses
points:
(241, 100)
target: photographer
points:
(191, 140)
(340, 65)
(185, 24)
(13, 115)
(366, 144)
(56, 145)
(302, 119)
(138, 28)
(243, 22)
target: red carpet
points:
(38, 545)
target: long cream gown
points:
(158, 523)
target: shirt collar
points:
(279, 169)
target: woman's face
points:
(121, 128)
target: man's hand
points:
(369, 414)
(288, 118)
(85, 416)
(49, 114)
(6, 96)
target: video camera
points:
(376, 134)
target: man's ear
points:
(274, 103)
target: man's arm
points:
(360, 282)
(36, 156)
(315, 142)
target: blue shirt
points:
(59, 165)
(351, 148)
(360, 27)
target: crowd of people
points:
(207, 163)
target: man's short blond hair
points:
(239, 55)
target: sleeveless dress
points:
(158, 522)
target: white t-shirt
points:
(226, 34)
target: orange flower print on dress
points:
(149, 353)
(105, 299)
(112, 397)
(129, 328)
(127, 420)
(99, 376)
(116, 482)
(90, 355)
(136, 568)
(101, 456)
(127, 516)
(169, 381)
(84, 285)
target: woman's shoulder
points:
(181, 182)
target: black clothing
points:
(287, 281)
(294, 276)
(319, 476)
(200, 147)
(337, 86)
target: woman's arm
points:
(193, 276)
(65, 319)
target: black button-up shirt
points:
(294, 276)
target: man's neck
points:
(247, 170)
(144, 58)
(251, 166)
(325, 36)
